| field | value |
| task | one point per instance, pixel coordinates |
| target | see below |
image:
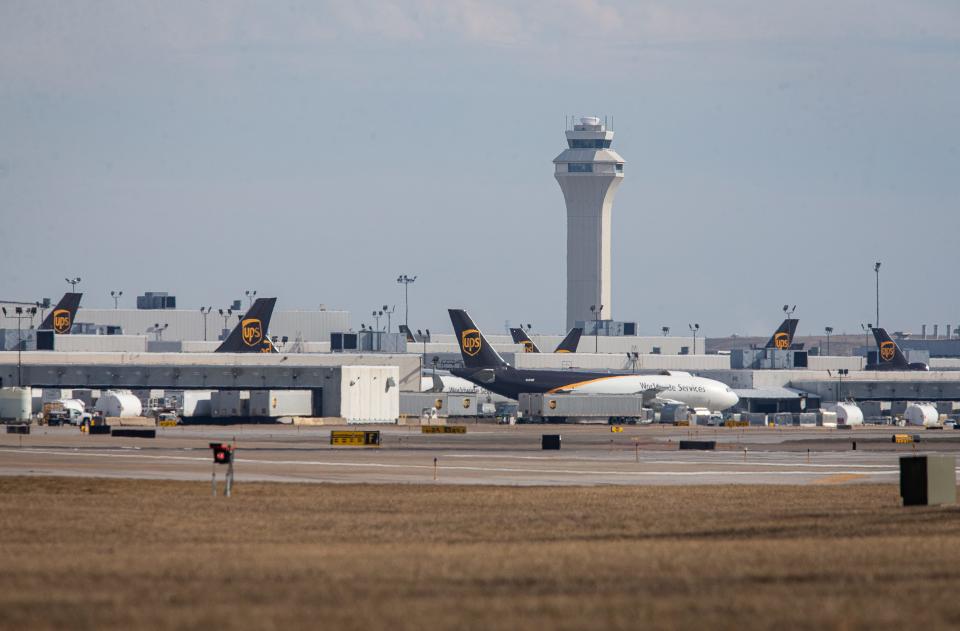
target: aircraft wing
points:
(650, 394)
(652, 398)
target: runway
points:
(487, 454)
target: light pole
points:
(251, 294)
(41, 305)
(116, 298)
(829, 331)
(876, 269)
(388, 312)
(73, 283)
(840, 374)
(405, 280)
(205, 311)
(158, 329)
(20, 313)
(225, 314)
(665, 330)
(595, 310)
(377, 314)
(694, 328)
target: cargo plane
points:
(782, 338)
(568, 345)
(484, 367)
(61, 317)
(889, 355)
(250, 334)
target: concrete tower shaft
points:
(589, 173)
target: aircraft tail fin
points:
(570, 343)
(783, 337)
(250, 334)
(406, 331)
(520, 337)
(475, 349)
(61, 318)
(888, 352)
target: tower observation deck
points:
(589, 173)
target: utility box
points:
(550, 441)
(928, 480)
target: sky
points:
(314, 151)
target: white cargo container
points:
(924, 414)
(370, 394)
(16, 404)
(119, 404)
(196, 403)
(847, 413)
(273, 403)
(828, 418)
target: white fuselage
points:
(695, 392)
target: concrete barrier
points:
(130, 432)
(702, 445)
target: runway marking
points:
(838, 478)
(378, 465)
(738, 463)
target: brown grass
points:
(92, 554)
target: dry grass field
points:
(95, 554)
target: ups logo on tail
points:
(61, 320)
(251, 330)
(782, 341)
(470, 341)
(887, 350)
(528, 347)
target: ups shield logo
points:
(782, 341)
(527, 347)
(470, 340)
(251, 331)
(61, 321)
(887, 350)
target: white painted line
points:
(453, 468)
(678, 462)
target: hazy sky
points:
(316, 150)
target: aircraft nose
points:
(731, 399)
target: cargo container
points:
(196, 403)
(847, 413)
(871, 409)
(274, 403)
(119, 404)
(674, 413)
(581, 407)
(369, 394)
(827, 418)
(49, 395)
(445, 404)
(807, 419)
(756, 419)
(923, 414)
(230, 403)
(782, 419)
(16, 404)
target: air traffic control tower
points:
(589, 173)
